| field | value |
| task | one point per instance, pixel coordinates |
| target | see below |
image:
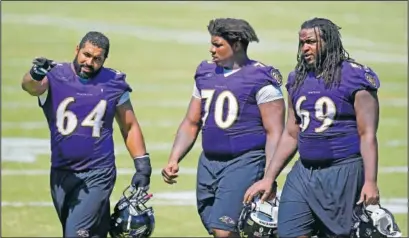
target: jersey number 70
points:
(233, 107)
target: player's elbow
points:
(33, 91)
(291, 132)
(368, 137)
(32, 87)
(275, 132)
(190, 125)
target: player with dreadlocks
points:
(333, 115)
(238, 104)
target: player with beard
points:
(80, 101)
(333, 116)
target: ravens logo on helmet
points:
(259, 219)
(131, 217)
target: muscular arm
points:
(367, 117)
(272, 114)
(33, 87)
(287, 146)
(130, 129)
(187, 131)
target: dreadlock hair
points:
(233, 30)
(97, 39)
(329, 57)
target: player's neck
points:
(238, 62)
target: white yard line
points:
(182, 171)
(188, 198)
(21, 149)
(389, 102)
(27, 149)
(36, 125)
(186, 37)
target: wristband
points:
(143, 164)
(35, 75)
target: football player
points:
(238, 104)
(80, 100)
(333, 115)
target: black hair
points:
(233, 30)
(329, 58)
(97, 39)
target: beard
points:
(78, 67)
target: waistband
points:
(320, 164)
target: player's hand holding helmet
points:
(259, 219)
(374, 221)
(265, 186)
(131, 217)
(142, 177)
(41, 66)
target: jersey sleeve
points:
(290, 81)
(196, 92)
(124, 98)
(269, 93)
(120, 81)
(359, 77)
(271, 74)
(267, 83)
(199, 68)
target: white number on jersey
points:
(232, 103)
(327, 118)
(93, 119)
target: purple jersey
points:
(231, 119)
(326, 116)
(80, 116)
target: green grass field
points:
(159, 45)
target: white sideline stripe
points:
(186, 37)
(390, 102)
(137, 88)
(186, 87)
(182, 171)
(27, 149)
(188, 198)
(33, 125)
(136, 103)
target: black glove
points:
(41, 66)
(142, 177)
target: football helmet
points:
(131, 217)
(374, 221)
(259, 219)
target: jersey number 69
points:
(325, 111)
